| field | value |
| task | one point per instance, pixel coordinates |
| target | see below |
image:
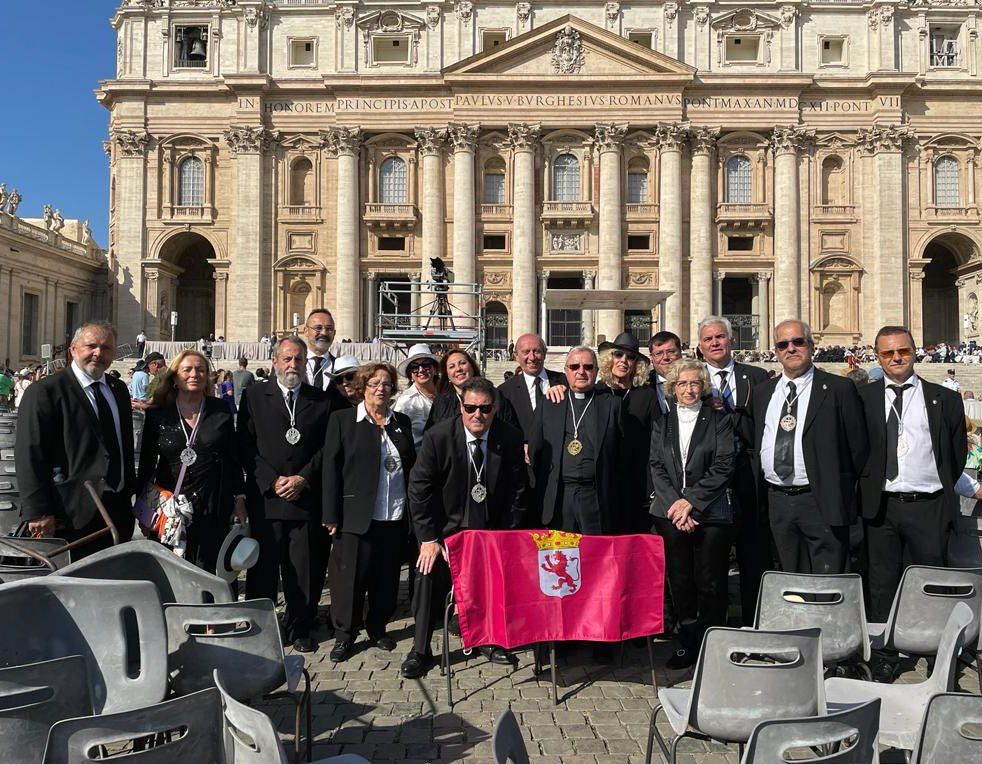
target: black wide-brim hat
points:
(624, 341)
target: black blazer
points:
(834, 442)
(707, 469)
(516, 392)
(262, 423)
(946, 420)
(440, 482)
(352, 459)
(57, 427)
(545, 444)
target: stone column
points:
(701, 227)
(522, 138)
(543, 311)
(430, 141)
(464, 140)
(670, 139)
(589, 333)
(611, 215)
(719, 276)
(764, 309)
(371, 290)
(133, 310)
(916, 306)
(248, 273)
(345, 144)
(221, 303)
(151, 299)
(787, 223)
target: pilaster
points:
(129, 149)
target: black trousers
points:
(903, 533)
(429, 600)
(287, 548)
(805, 542)
(697, 565)
(580, 509)
(752, 540)
(323, 542)
(366, 566)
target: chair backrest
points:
(831, 603)
(241, 639)
(9, 515)
(250, 737)
(954, 637)
(743, 676)
(15, 565)
(855, 730)
(965, 545)
(117, 626)
(924, 600)
(945, 736)
(176, 579)
(194, 724)
(506, 740)
(35, 696)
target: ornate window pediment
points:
(294, 263)
(301, 143)
(389, 22)
(745, 20)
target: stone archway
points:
(189, 256)
(945, 255)
(495, 325)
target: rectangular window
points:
(642, 37)
(740, 243)
(72, 316)
(190, 47)
(493, 38)
(494, 241)
(302, 53)
(639, 242)
(833, 51)
(494, 188)
(392, 243)
(743, 49)
(391, 50)
(944, 45)
(637, 187)
(30, 317)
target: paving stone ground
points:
(364, 706)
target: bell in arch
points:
(198, 51)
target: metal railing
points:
(191, 63)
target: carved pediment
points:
(745, 20)
(390, 21)
(835, 141)
(569, 47)
(302, 143)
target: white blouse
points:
(687, 423)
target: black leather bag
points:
(722, 511)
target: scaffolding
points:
(438, 313)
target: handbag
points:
(149, 508)
(720, 512)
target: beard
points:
(321, 344)
(288, 379)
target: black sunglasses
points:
(470, 408)
(798, 342)
(578, 366)
(350, 377)
(420, 366)
(618, 354)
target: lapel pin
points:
(934, 402)
(825, 387)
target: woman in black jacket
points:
(368, 454)
(691, 465)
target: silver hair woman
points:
(682, 365)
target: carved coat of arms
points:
(567, 54)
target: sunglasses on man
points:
(485, 408)
(886, 355)
(578, 366)
(798, 342)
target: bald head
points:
(530, 352)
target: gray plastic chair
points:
(903, 705)
(840, 613)
(942, 737)
(771, 740)
(117, 626)
(9, 515)
(16, 564)
(731, 694)
(507, 742)
(242, 640)
(197, 716)
(34, 697)
(918, 614)
(965, 545)
(176, 579)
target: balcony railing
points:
(642, 211)
(390, 215)
(190, 63)
(743, 215)
(496, 210)
(951, 213)
(304, 211)
(835, 210)
(188, 212)
(567, 213)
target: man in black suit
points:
(665, 348)
(74, 426)
(574, 447)
(524, 391)
(918, 447)
(810, 446)
(469, 474)
(732, 385)
(281, 427)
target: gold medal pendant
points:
(574, 447)
(788, 422)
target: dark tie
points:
(724, 391)
(893, 430)
(316, 376)
(477, 511)
(107, 431)
(538, 391)
(784, 441)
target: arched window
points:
(494, 181)
(637, 181)
(392, 181)
(832, 181)
(566, 178)
(739, 180)
(302, 183)
(191, 188)
(946, 182)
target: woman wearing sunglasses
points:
(343, 379)
(421, 371)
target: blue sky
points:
(51, 127)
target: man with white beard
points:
(281, 428)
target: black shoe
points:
(883, 671)
(498, 655)
(304, 645)
(416, 665)
(341, 651)
(682, 659)
(385, 642)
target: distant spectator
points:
(141, 344)
(228, 391)
(950, 382)
(146, 370)
(241, 379)
(260, 375)
(968, 395)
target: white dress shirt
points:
(717, 382)
(326, 368)
(390, 495)
(659, 391)
(687, 423)
(87, 384)
(530, 382)
(416, 406)
(772, 421)
(966, 486)
(470, 438)
(917, 472)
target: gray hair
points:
(806, 330)
(293, 339)
(686, 364)
(583, 349)
(102, 326)
(710, 320)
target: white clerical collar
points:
(83, 376)
(362, 413)
(580, 396)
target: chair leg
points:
(310, 717)
(655, 736)
(552, 668)
(445, 658)
(651, 663)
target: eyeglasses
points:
(619, 354)
(375, 383)
(798, 342)
(688, 384)
(321, 327)
(350, 377)
(485, 408)
(578, 366)
(665, 353)
(902, 352)
(416, 368)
